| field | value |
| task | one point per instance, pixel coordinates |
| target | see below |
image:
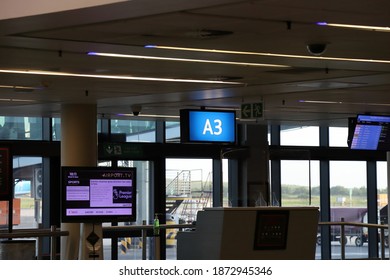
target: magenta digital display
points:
(98, 194)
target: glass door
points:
(131, 247)
(189, 187)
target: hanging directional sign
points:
(246, 111)
(252, 110)
(120, 150)
(257, 110)
(207, 126)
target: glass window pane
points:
(300, 183)
(189, 189)
(172, 132)
(348, 191)
(348, 183)
(20, 128)
(382, 200)
(56, 129)
(299, 136)
(134, 131)
(130, 248)
(105, 163)
(338, 136)
(28, 190)
(225, 183)
(269, 135)
(99, 125)
(381, 178)
(142, 187)
(189, 180)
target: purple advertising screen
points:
(98, 194)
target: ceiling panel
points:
(267, 31)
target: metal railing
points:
(124, 230)
(343, 224)
(52, 232)
(145, 229)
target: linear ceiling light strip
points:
(269, 54)
(16, 100)
(342, 102)
(17, 87)
(117, 55)
(355, 26)
(68, 74)
(150, 116)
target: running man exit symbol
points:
(252, 110)
(257, 110)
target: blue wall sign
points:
(208, 126)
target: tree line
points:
(295, 190)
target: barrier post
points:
(157, 247)
(53, 244)
(144, 241)
(382, 237)
(342, 239)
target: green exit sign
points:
(252, 110)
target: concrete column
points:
(78, 148)
(254, 169)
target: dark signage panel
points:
(369, 132)
(98, 194)
(271, 230)
(5, 174)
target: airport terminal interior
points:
(177, 130)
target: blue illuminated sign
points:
(209, 126)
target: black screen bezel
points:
(380, 146)
(185, 123)
(96, 218)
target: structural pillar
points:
(254, 171)
(78, 148)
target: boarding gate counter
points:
(249, 233)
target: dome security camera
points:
(136, 109)
(316, 49)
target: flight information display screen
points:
(371, 133)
